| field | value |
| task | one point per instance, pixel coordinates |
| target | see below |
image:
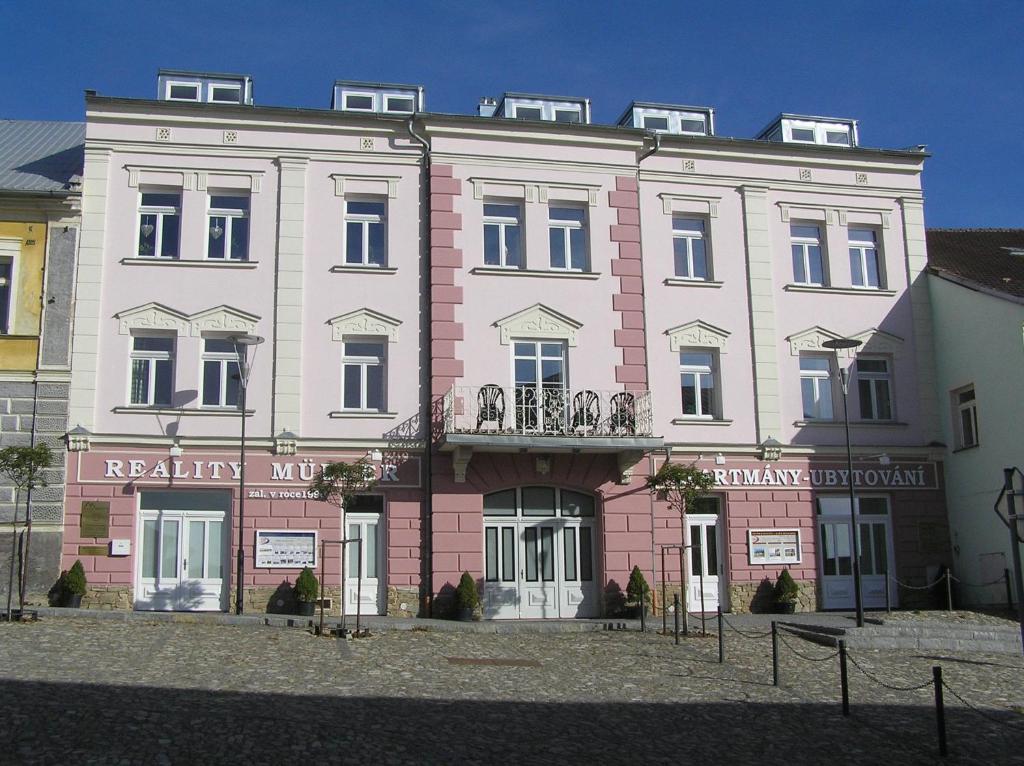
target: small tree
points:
(466, 595)
(74, 580)
(786, 589)
(637, 590)
(683, 486)
(24, 467)
(306, 587)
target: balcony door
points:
(540, 383)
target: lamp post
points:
(242, 343)
(844, 378)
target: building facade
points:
(40, 190)
(976, 280)
(513, 318)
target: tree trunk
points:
(14, 555)
(23, 585)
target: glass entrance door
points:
(363, 586)
(182, 566)
(703, 577)
(836, 546)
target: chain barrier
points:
(743, 633)
(891, 687)
(800, 654)
(982, 713)
(1000, 581)
(914, 587)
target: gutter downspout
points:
(427, 547)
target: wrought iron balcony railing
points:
(547, 411)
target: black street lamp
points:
(844, 378)
(242, 343)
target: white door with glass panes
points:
(705, 571)
(539, 554)
(836, 551)
(182, 557)
(363, 582)
(540, 383)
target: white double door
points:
(183, 562)
(363, 581)
(836, 546)
(538, 569)
(704, 567)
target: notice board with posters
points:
(773, 546)
(285, 548)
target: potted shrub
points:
(467, 599)
(306, 591)
(73, 586)
(786, 593)
(638, 592)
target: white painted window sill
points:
(204, 264)
(363, 415)
(351, 269)
(496, 271)
(188, 412)
(853, 423)
(700, 422)
(682, 282)
(794, 288)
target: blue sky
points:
(942, 73)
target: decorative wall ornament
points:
(78, 439)
(364, 322)
(286, 443)
(366, 144)
(689, 166)
(862, 179)
(152, 316)
(223, 319)
(805, 174)
(697, 333)
(627, 461)
(163, 134)
(879, 342)
(230, 137)
(460, 462)
(538, 321)
(811, 340)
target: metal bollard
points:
(775, 654)
(675, 617)
(949, 591)
(1009, 590)
(721, 636)
(643, 612)
(940, 710)
(888, 595)
(843, 677)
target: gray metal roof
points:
(38, 156)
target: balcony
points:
(545, 419)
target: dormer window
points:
(204, 87)
(359, 102)
(653, 122)
(182, 91)
(225, 94)
(823, 131)
(669, 118)
(567, 115)
(689, 125)
(401, 104)
(526, 106)
(528, 113)
(839, 137)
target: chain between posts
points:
(801, 655)
(979, 711)
(891, 687)
(743, 633)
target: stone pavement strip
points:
(87, 691)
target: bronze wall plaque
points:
(92, 550)
(95, 518)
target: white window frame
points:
(667, 118)
(565, 227)
(820, 380)
(504, 223)
(874, 380)
(805, 243)
(690, 237)
(569, 110)
(229, 215)
(862, 247)
(159, 211)
(693, 117)
(517, 107)
(171, 83)
(152, 357)
(229, 86)
(388, 110)
(970, 409)
(364, 363)
(225, 358)
(365, 220)
(699, 372)
(10, 251)
(346, 94)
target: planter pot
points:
(307, 608)
(465, 614)
(785, 607)
(72, 600)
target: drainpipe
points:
(426, 408)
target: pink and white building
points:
(514, 317)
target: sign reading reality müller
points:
(288, 549)
(773, 546)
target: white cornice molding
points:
(669, 207)
(538, 321)
(532, 163)
(364, 322)
(195, 177)
(223, 319)
(268, 153)
(391, 182)
(152, 316)
(697, 334)
(532, 190)
(730, 182)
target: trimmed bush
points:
(306, 586)
(74, 580)
(637, 590)
(466, 595)
(786, 589)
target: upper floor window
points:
(228, 230)
(654, 122)
(690, 249)
(363, 375)
(808, 263)
(399, 104)
(220, 93)
(865, 269)
(528, 112)
(152, 370)
(567, 115)
(503, 242)
(6, 291)
(159, 221)
(221, 378)
(816, 387)
(568, 238)
(365, 234)
(697, 375)
(874, 386)
(182, 91)
(966, 417)
(360, 102)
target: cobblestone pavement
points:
(90, 691)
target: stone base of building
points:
(403, 602)
(281, 600)
(758, 597)
(108, 597)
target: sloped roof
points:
(981, 257)
(38, 156)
